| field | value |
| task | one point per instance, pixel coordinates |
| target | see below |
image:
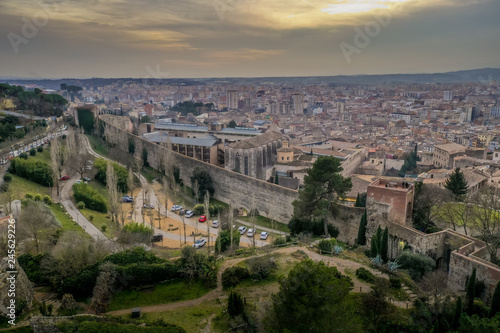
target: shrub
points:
(32, 152)
(395, 282)
(47, 200)
(37, 197)
(80, 205)
(254, 212)
(132, 256)
(64, 136)
(39, 149)
(261, 267)
(416, 264)
(234, 275)
(36, 171)
(91, 217)
(325, 245)
(24, 156)
(314, 227)
(104, 227)
(28, 196)
(364, 274)
(31, 266)
(234, 304)
(199, 209)
(7, 177)
(279, 241)
(90, 197)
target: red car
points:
(202, 218)
(65, 177)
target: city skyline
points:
(252, 38)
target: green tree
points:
(360, 200)
(323, 186)
(457, 184)
(384, 245)
(232, 124)
(361, 240)
(145, 157)
(495, 301)
(410, 163)
(235, 304)
(458, 313)
(471, 292)
(374, 246)
(311, 299)
(223, 241)
(205, 183)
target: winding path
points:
(341, 264)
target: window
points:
(287, 158)
(282, 158)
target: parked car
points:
(242, 230)
(264, 235)
(66, 177)
(79, 181)
(127, 198)
(251, 232)
(176, 208)
(189, 213)
(157, 238)
(202, 218)
(90, 162)
(86, 179)
(215, 223)
(88, 167)
(149, 206)
(182, 212)
(199, 243)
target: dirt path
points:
(341, 264)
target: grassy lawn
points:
(42, 157)
(23, 186)
(99, 220)
(150, 174)
(97, 146)
(65, 220)
(192, 319)
(265, 222)
(175, 291)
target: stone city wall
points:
(271, 200)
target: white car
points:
(149, 206)
(242, 230)
(199, 243)
(176, 208)
(189, 213)
(215, 223)
(264, 235)
(251, 232)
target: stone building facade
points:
(254, 157)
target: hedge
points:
(36, 171)
(121, 174)
(90, 197)
(132, 256)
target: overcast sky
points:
(221, 38)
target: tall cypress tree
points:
(457, 184)
(362, 229)
(373, 246)
(358, 201)
(458, 313)
(495, 301)
(384, 245)
(471, 291)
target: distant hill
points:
(475, 75)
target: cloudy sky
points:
(220, 38)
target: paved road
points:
(76, 215)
